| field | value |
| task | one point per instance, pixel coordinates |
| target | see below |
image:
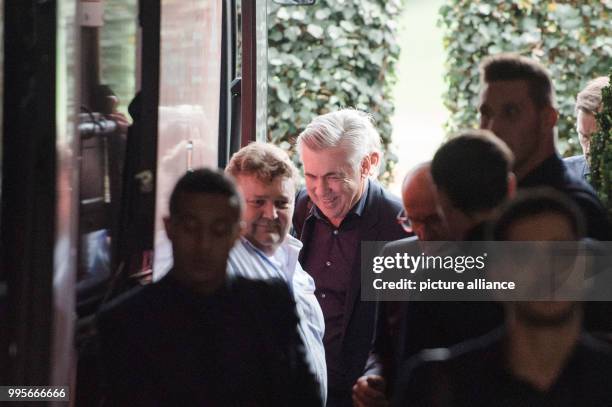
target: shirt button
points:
(336, 232)
(328, 263)
(323, 295)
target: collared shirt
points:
(578, 166)
(331, 261)
(248, 261)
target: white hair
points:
(349, 129)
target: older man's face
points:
(586, 125)
(422, 209)
(333, 183)
(268, 210)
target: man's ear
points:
(367, 164)
(374, 158)
(511, 185)
(549, 117)
(169, 227)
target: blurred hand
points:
(122, 121)
(369, 391)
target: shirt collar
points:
(549, 169)
(284, 258)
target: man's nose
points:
(206, 240)
(270, 211)
(321, 185)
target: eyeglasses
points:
(404, 221)
(409, 225)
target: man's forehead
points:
(512, 90)
(203, 205)
(252, 185)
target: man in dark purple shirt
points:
(341, 207)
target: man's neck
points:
(538, 354)
(199, 288)
(522, 169)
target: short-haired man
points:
(588, 103)
(473, 177)
(341, 207)
(197, 338)
(266, 178)
(541, 356)
(517, 103)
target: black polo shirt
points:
(552, 172)
(474, 374)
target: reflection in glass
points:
(189, 101)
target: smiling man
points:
(266, 177)
(341, 207)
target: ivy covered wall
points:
(572, 38)
(334, 54)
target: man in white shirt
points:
(266, 177)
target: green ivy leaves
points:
(335, 54)
(601, 150)
(572, 38)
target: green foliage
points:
(335, 54)
(572, 38)
(601, 150)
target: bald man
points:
(422, 216)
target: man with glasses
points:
(422, 216)
(588, 103)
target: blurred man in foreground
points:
(196, 337)
(540, 358)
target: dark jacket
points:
(380, 213)
(553, 173)
(475, 374)
(162, 345)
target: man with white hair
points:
(341, 207)
(266, 178)
(588, 104)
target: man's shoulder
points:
(400, 246)
(433, 370)
(386, 198)
(272, 295)
(128, 304)
(575, 159)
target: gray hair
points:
(349, 129)
(589, 98)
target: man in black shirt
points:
(517, 103)
(196, 337)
